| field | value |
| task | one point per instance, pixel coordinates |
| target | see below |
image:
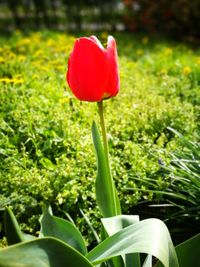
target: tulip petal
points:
(113, 80)
(87, 70)
(94, 38)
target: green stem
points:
(105, 144)
(103, 129)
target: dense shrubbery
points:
(65, 14)
(176, 18)
(45, 141)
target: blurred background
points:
(178, 18)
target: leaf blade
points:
(188, 252)
(106, 194)
(149, 236)
(63, 230)
(115, 224)
(12, 229)
(43, 252)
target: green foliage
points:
(178, 197)
(61, 229)
(127, 238)
(184, 172)
(12, 230)
(106, 195)
(42, 252)
(188, 248)
(45, 141)
(177, 18)
(114, 225)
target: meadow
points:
(46, 147)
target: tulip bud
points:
(93, 70)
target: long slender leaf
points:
(90, 226)
(12, 230)
(42, 252)
(188, 252)
(149, 236)
(187, 143)
(175, 195)
(106, 195)
(63, 230)
(148, 261)
(115, 224)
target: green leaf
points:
(184, 141)
(148, 261)
(188, 252)
(106, 194)
(113, 225)
(28, 237)
(63, 230)
(12, 230)
(149, 236)
(42, 252)
(90, 226)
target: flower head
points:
(93, 70)
(187, 70)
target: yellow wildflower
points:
(122, 75)
(11, 55)
(145, 40)
(17, 76)
(35, 77)
(54, 62)
(17, 32)
(61, 49)
(6, 80)
(163, 72)
(187, 70)
(44, 68)
(50, 42)
(24, 41)
(36, 37)
(61, 67)
(21, 58)
(39, 52)
(62, 37)
(5, 49)
(168, 51)
(18, 80)
(139, 52)
(64, 100)
(104, 35)
(2, 60)
(198, 60)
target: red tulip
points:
(93, 70)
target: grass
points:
(45, 140)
